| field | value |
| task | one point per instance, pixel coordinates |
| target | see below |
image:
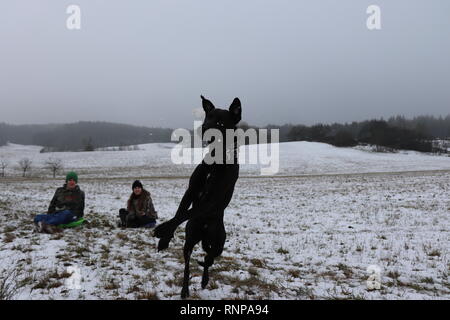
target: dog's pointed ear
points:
(236, 110)
(207, 105)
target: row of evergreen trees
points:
(396, 132)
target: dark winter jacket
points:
(142, 205)
(66, 199)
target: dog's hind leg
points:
(208, 262)
(187, 256)
(205, 276)
(193, 236)
(213, 246)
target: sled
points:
(73, 224)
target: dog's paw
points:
(163, 243)
(164, 230)
(159, 231)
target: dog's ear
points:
(236, 110)
(207, 105)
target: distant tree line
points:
(394, 133)
(81, 136)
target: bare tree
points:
(54, 165)
(25, 165)
(3, 165)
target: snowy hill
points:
(295, 158)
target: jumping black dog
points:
(210, 190)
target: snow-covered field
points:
(309, 232)
(154, 160)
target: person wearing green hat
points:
(66, 206)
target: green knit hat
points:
(72, 175)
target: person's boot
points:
(123, 218)
(38, 227)
(121, 223)
(50, 229)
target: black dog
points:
(210, 190)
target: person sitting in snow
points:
(66, 206)
(140, 211)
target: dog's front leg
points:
(166, 230)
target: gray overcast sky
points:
(147, 62)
